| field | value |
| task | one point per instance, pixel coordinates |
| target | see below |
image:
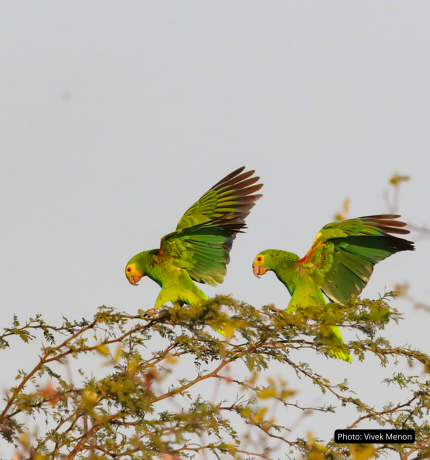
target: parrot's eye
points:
(259, 259)
(129, 269)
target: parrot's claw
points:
(276, 311)
(150, 313)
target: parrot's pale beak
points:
(134, 280)
(257, 270)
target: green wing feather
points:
(230, 198)
(202, 250)
(343, 254)
(204, 236)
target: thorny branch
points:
(126, 413)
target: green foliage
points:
(140, 406)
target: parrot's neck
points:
(145, 263)
(286, 270)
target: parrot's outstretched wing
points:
(343, 254)
(204, 236)
(202, 250)
(230, 198)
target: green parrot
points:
(338, 264)
(198, 250)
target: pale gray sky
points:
(116, 116)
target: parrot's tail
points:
(339, 354)
(342, 355)
(220, 331)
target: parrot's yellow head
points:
(132, 273)
(258, 265)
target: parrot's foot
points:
(276, 311)
(150, 313)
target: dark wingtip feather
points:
(395, 230)
(387, 224)
(241, 187)
(382, 216)
(231, 176)
(400, 244)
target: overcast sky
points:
(117, 116)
